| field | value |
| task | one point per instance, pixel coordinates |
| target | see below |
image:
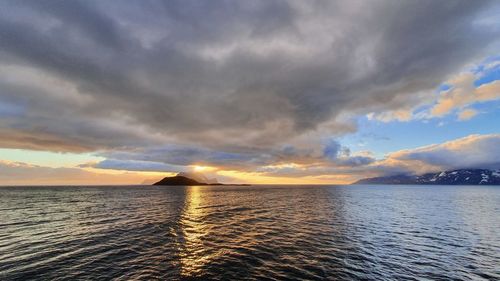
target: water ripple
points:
(251, 233)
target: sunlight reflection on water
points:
(193, 253)
(274, 232)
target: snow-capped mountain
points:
(454, 177)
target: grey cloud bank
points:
(221, 82)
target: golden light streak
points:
(192, 251)
(202, 168)
(259, 178)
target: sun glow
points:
(262, 178)
(198, 168)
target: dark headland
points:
(187, 180)
(454, 177)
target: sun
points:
(197, 168)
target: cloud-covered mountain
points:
(455, 177)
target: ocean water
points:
(250, 233)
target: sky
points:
(284, 92)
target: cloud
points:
(457, 93)
(388, 116)
(464, 93)
(39, 141)
(341, 156)
(333, 149)
(134, 165)
(466, 114)
(16, 173)
(224, 82)
(173, 157)
(473, 151)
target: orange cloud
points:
(468, 152)
(18, 173)
(463, 94)
(466, 114)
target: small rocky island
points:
(454, 177)
(188, 179)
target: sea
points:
(369, 232)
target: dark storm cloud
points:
(239, 79)
(340, 155)
(180, 155)
(133, 165)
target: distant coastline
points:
(452, 177)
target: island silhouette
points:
(188, 179)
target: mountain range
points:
(453, 177)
